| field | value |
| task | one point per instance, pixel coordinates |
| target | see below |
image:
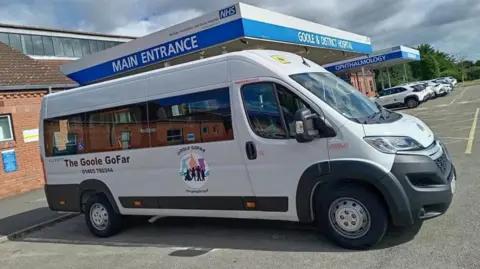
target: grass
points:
(469, 83)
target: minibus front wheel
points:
(352, 217)
(101, 219)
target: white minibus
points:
(256, 134)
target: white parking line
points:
(458, 96)
(459, 138)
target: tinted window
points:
(289, 104)
(401, 90)
(182, 119)
(262, 109)
(37, 45)
(118, 128)
(63, 135)
(48, 45)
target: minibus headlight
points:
(392, 144)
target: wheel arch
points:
(91, 187)
(314, 181)
(412, 96)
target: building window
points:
(58, 47)
(190, 115)
(15, 41)
(101, 45)
(54, 46)
(67, 46)
(93, 46)
(77, 47)
(215, 130)
(37, 45)
(126, 139)
(6, 129)
(85, 46)
(4, 38)
(27, 44)
(174, 137)
(48, 45)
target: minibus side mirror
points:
(326, 130)
(305, 129)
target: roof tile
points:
(17, 68)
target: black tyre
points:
(101, 218)
(411, 103)
(352, 217)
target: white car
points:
(405, 95)
(441, 89)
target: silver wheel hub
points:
(349, 217)
(99, 216)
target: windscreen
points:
(342, 97)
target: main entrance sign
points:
(231, 27)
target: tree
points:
(429, 67)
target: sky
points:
(452, 26)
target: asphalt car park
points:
(450, 241)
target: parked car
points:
(444, 81)
(425, 86)
(406, 95)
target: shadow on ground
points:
(196, 236)
(20, 221)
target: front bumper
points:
(425, 180)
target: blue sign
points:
(185, 45)
(373, 60)
(210, 37)
(274, 32)
(9, 161)
(227, 12)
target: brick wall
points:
(24, 108)
(358, 82)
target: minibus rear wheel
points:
(101, 218)
(352, 216)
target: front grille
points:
(442, 163)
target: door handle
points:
(251, 150)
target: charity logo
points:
(194, 170)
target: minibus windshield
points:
(344, 98)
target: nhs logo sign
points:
(227, 12)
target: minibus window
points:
(344, 98)
(263, 111)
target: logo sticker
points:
(281, 59)
(194, 170)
